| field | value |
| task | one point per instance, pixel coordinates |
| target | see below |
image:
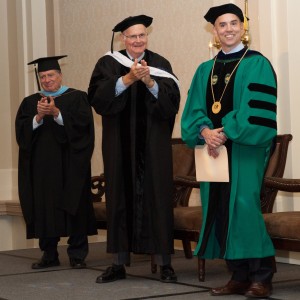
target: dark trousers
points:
(77, 247)
(123, 258)
(252, 269)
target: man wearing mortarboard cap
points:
(232, 102)
(55, 134)
(137, 95)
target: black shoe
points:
(44, 263)
(77, 263)
(113, 273)
(167, 274)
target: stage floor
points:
(19, 282)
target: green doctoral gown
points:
(249, 121)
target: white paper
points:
(209, 169)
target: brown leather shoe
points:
(232, 287)
(259, 290)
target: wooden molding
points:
(10, 208)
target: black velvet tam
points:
(217, 11)
(130, 21)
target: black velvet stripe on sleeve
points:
(263, 88)
(263, 122)
(262, 105)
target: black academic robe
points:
(137, 155)
(54, 167)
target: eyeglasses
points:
(135, 37)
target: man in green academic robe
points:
(232, 102)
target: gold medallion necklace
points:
(216, 107)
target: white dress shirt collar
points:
(238, 48)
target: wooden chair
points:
(283, 227)
(98, 191)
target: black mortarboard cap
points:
(45, 64)
(214, 12)
(130, 21)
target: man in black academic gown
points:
(55, 134)
(137, 95)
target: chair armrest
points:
(283, 184)
(188, 181)
(97, 187)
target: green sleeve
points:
(253, 119)
(195, 114)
